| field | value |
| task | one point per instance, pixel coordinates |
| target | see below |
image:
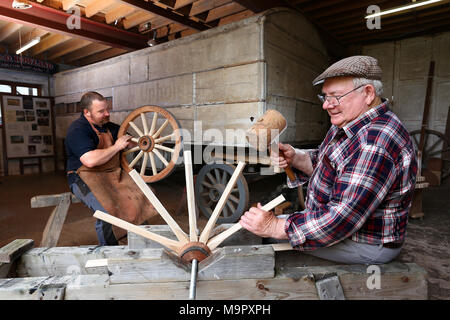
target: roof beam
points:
(67, 47)
(8, 30)
(48, 42)
(118, 12)
(54, 20)
(261, 5)
(166, 13)
(97, 6)
(27, 37)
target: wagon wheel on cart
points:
(209, 185)
(157, 135)
(439, 147)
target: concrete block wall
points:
(226, 77)
(405, 64)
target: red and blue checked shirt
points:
(361, 187)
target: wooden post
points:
(55, 223)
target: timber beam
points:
(54, 20)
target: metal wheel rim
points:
(207, 192)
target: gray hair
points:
(375, 83)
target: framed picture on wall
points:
(28, 127)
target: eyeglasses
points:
(334, 100)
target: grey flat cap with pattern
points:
(355, 66)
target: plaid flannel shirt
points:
(361, 187)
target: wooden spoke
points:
(190, 196)
(134, 149)
(211, 178)
(144, 163)
(233, 198)
(135, 140)
(164, 125)
(221, 203)
(217, 240)
(169, 243)
(182, 237)
(217, 173)
(160, 156)
(152, 128)
(231, 207)
(160, 147)
(132, 163)
(152, 161)
(144, 123)
(206, 184)
(162, 139)
(138, 131)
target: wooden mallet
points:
(263, 133)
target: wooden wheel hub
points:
(146, 143)
(194, 250)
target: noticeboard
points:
(28, 126)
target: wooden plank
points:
(238, 262)
(118, 12)
(182, 237)
(190, 196)
(243, 237)
(51, 200)
(401, 281)
(35, 288)
(67, 4)
(15, 249)
(97, 6)
(214, 242)
(157, 265)
(55, 223)
(168, 243)
(204, 237)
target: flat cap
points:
(356, 66)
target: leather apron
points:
(115, 189)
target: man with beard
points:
(93, 169)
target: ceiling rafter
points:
(54, 20)
(166, 13)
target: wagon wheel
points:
(209, 186)
(438, 148)
(157, 135)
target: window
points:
(4, 88)
(26, 89)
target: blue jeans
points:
(104, 231)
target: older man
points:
(361, 177)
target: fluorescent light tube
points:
(402, 8)
(27, 46)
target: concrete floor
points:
(427, 242)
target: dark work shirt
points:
(81, 138)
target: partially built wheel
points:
(436, 145)
(157, 135)
(210, 183)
